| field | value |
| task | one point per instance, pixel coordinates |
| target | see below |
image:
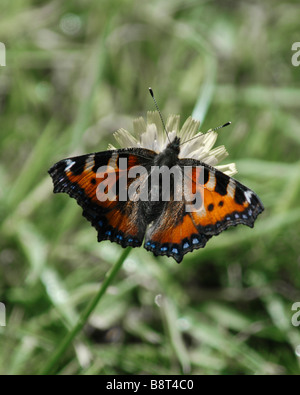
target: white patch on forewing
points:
(212, 180)
(90, 162)
(248, 195)
(113, 160)
(231, 189)
(69, 164)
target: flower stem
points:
(49, 368)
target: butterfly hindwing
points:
(80, 177)
(174, 233)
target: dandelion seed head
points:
(151, 135)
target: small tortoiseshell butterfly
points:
(167, 227)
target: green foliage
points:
(78, 71)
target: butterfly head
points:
(169, 156)
(173, 148)
(174, 145)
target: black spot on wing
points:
(221, 183)
(239, 195)
(101, 159)
(79, 165)
(206, 175)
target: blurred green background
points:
(77, 71)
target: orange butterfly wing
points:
(226, 202)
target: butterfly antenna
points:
(210, 130)
(220, 127)
(156, 105)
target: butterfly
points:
(165, 226)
